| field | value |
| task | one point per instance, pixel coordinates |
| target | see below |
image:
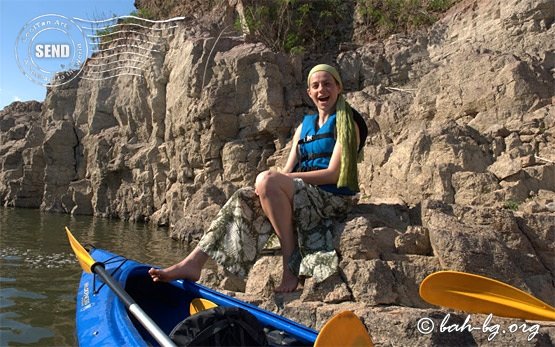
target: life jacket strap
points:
(310, 138)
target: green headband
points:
(327, 68)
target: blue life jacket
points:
(316, 147)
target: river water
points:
(39, 273)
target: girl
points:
(299, 203)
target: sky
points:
(15, 16)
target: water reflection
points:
(40, 275)
(13, 331)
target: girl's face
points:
(323, 89)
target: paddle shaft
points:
(132, 306)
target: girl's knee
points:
(267, 180)
(261, 177)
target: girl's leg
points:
(189, 268)
(276, 191)
(234, 240)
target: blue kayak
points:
(102, 319)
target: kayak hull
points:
(102, 319)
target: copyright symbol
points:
(425, 326)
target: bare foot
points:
(289, 282)
(177, 271)
(189, 268)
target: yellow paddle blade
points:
(199, 304)
(344, 329)
(83, 256)
(479, 294)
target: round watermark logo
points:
(51, 50)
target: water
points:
(39, 273)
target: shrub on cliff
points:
(107, 33)
(319, 26)
(384, 17)
(296, 26)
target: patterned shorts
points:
(241, 230)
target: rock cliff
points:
(458, 171)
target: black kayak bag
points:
(220, 326)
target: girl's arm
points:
(292, 159)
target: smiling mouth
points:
(324, 98)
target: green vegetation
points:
(142, 13)
(104, 33)
(511, 205)
(386, 17)
(295, 26)
(315, 26)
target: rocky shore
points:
(458, 171)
